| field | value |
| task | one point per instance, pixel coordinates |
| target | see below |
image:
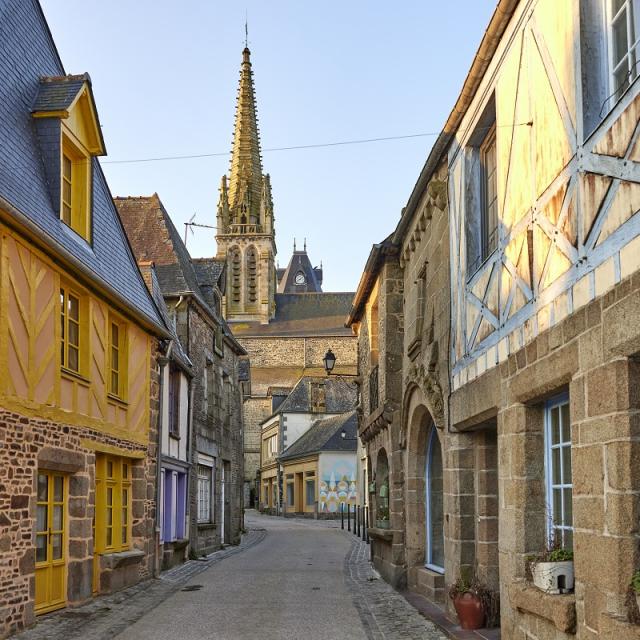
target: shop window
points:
(173, 505)
(382, 491)
(558, 472)
(113, 503)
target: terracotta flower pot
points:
(470, 611)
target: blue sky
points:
(165, 76)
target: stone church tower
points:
(246, 234)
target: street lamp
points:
(329, 361)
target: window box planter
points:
(382, 524)
(553, 577)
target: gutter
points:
(488, 45)
(46, 241)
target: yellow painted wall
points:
(30, 349)
(296, 468)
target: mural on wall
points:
(337, 482)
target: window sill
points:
(381, 534)
(117, 400)
(117, 559)
(206, 525)
(559, 609)
(74, 375)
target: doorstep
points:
(438, 615)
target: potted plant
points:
(468, 602)
(552, 570)
(635, 587)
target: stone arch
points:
(419, 427)
(251, 261)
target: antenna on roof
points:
(187, 225)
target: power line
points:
(296, 147)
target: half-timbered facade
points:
(79, 346)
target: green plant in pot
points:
(467, 599)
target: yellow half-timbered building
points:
(79, 340)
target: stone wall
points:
(28, 444)
(592, 354)
(255, 411)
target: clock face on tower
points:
(300, 279)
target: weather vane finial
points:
(246, 28)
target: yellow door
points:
(51, 570)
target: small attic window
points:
(69, 135)
(75, 192)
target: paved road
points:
(291, 585)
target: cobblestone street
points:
(289, 578)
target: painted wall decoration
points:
(338, 483)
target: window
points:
(174, 402)
(481, 193)
(75, 193)
(434, 504)
(489, 184)
(69, 330)
(113, 503)
(117, 359)
(623, 26)
(290, 491)
(558, 472)
(205, 486)
(310, 491)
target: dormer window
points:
(75, 201)
(69, 133)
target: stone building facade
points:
(518, 247)
(192, 291)
(281, 316)
(81, 345)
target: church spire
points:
(245, 175)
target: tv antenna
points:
(188, 226)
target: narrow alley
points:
(290, 578)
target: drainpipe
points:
(162, 362)
(190, 452)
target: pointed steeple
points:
(245, 175)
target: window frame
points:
(205, 517)
(551, 527)
(81, 181)
(487, 246)
(174, 391)
(123, 361)
(120, 484)
(631, 7)
(67, 291)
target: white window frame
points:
(433, 441)
(633, 39)
(205, 506)
(551, 525)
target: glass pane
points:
(74, 308)
(66, 192)
(114, 383)
(41, 548)
(566, 465)
(619, 35)
(114, 359)
(109, 517)
(41, 518)
(109, 537)
(66, 167)
(57, 517)
(568, 539)
(555, 466)
(66, 213)
(621, 80)
(74, 332)
(73, 359)
(56, 540)
(125, 497)
(43, 487)
(557, 506)
(109, 469)
(124, 534)
(566, 422)
(114, 334)
(568, 508)
(58, 488)
(125, 470)
(109, 496)
(555, 427)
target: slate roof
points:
(303, 314)
(338, 396)
(28, 54)
(154, 237)
(326, 435)
(209, 273)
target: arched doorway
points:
(434, 504)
